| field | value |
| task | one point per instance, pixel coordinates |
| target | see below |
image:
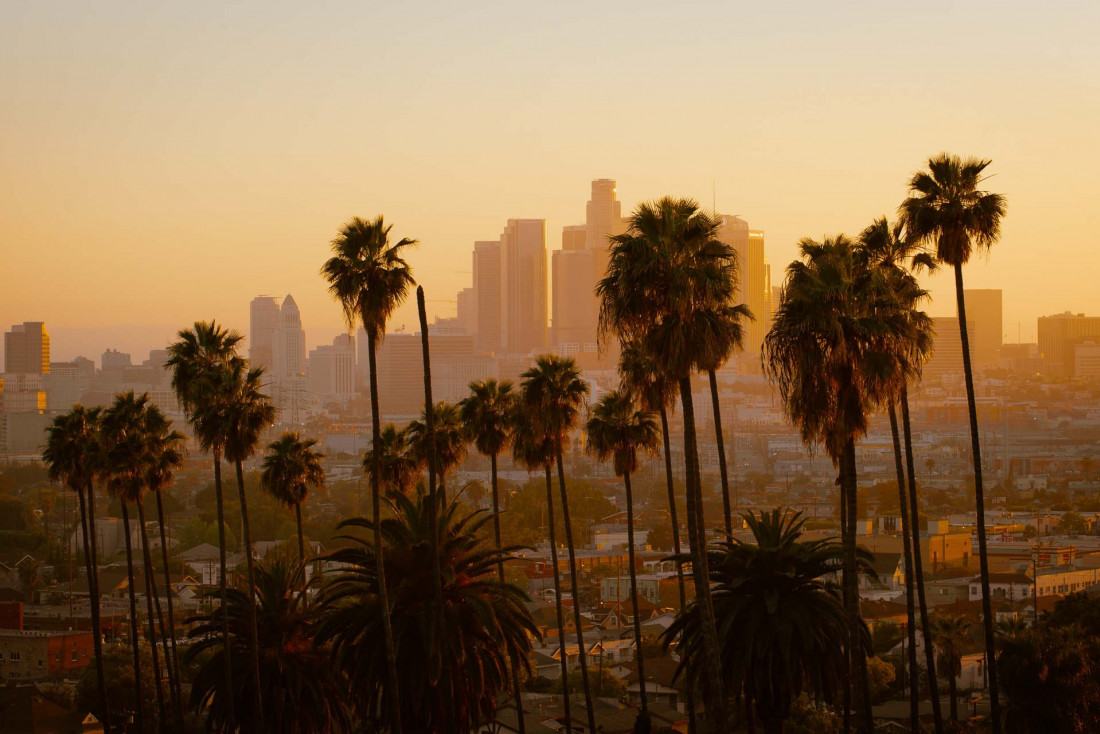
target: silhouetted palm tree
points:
(301, 690)
(398, 468)
(195, 361)
(947, 208)
(484, 622)
(664, 276)
(451, 440)
(782, 624)
(950, 634)
(290, 468)
(487, 415)
(833, 352)
(369, 277)
(896, 257)
(617, 430)
(551, 397)
(70, 456)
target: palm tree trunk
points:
(150, 599)
(500, 576)
(952, 686)
(222, 580)
(577, 619)
(139, 714)
(907, 550)
(634, 591)
(301, 542)
(394, 693)
(721, 452)
(91, 562)
(557, 601)
(918, 565)
(714, 697)
(979, 503)
(857, 656)
(171, 659)
(689, 685)
(254, 641)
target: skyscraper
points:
(523, 286)
(466, 310)
(946, 358)
(487, 299)
(754, 284)
(603, 215)
(289, 361)
(332, 369)
(27, 349)
(1059, 336)
(263, 321)
(983, 307)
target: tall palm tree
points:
(484, 622)
(398, 467)
(245, 412)
(833, 352)
(451, 440)
(896, 259)
(122, 466)
(950, 634)
(643, 377)
(664, 277)
(617, 430)
(290, 468)
(369, 277)
(535, 450)
(552, 394)
(196, 360)
(164, 448)
(302, 691)
(70, 456)
(782, 623)
(947, 209)
(487, 415)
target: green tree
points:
(484, 621)
(617, 430)
(950, 634)
(552, 393)
(947, 209)
(72, 442)
(1072, 524)
(290, 468)
(368, 276)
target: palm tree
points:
(617, 430)
(302, 692)
(196, 359)
(665, 277)
(551, 397)
(245, 412)
(398, 467)
(70, 456)
(782, 623)
(534, 449)
(369, 277)
(487, 415)
(833, 351)
(896, 259)
(290, 468)
(484, 622)
(164, 448)
(950, 634)
(122, 466)
(450, 439)
(643, 377)
(947, 209)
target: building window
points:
(75, 656)
(83, 652)
(40, 662)
(57, 656)
(15, 657)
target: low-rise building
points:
(28, 656)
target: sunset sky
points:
(160, 165)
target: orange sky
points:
(161, 165)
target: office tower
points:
(332, 369)
(946, 358)
(27, 349)
(575, 307)
(466, 310)
(983, 307)
(574, 236)
(487, 297)
(603, 215)
(288, 373)
(1059, 336)
(523, 286)
(262, 323)
(754, 278)
(112, 359)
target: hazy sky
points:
(164, 164)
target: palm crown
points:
(450, 437)
(617, 430)
(398, 467)
(291, 467)
(487, 414)
(70, 447)
(553, 393)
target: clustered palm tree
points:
(290, 468)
